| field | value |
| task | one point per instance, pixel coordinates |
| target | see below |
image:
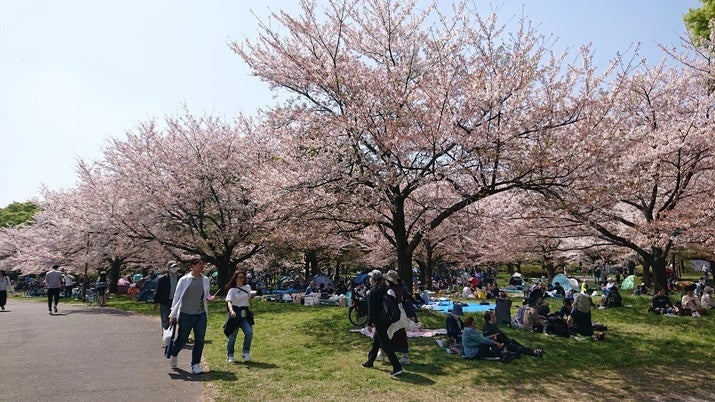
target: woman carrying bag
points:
(239, 316)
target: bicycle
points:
(98, 297)
(91, 296)
(357, 313)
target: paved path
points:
(87, 354)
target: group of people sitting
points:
(488, 291)
(464, 338)
(572, 319)
(689, 303)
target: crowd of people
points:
(182, 301)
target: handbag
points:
(168, 340)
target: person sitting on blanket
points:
(690, 304)
(662, 304)
(491, 330)
(706, 301)
(477, 346)
(455, 325)
(534, 319)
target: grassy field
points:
(308, 353)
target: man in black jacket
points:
(164, 294)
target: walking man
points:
(164, 294)
(190, 308)
(53, 281)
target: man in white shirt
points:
(53, 282)
(68, 280)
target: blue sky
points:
(74, 73)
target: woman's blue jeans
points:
(187, 323)
(247, 337)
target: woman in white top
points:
(238, 298)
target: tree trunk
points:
(225, 268)
(402, 244)
(115, 266)
(550, 270)
(657, 261)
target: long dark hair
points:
(233, 282)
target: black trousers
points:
(53, 294)
(381, 341)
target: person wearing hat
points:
(376, 318)
(164, 294)
(641, 290)
(706, 301)
(397, 331)
(455, 325)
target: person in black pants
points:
(164, 294)
(376, 318)
(491, 330)
(53, 282)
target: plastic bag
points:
(167, 335)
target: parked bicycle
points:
(357, 313)
(35, 291)
(91, 296)
(94, 297)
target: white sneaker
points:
(173, 361)
(230, 359)
(196, 369)
(246, 356)
(405, 360)
(380, 356)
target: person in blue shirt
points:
(475, 344)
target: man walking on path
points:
(190, 309)
(164, 294)
(53, 281)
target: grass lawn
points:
(307, 353)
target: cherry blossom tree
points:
(387, 103)
(187, 185)
(646, 182)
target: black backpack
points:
(391, 308)
(557, 326)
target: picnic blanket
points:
(415, 332)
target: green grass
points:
(308, 353)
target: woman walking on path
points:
(238, 298)
(190, 309)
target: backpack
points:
(391, 308)
(557, 326)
